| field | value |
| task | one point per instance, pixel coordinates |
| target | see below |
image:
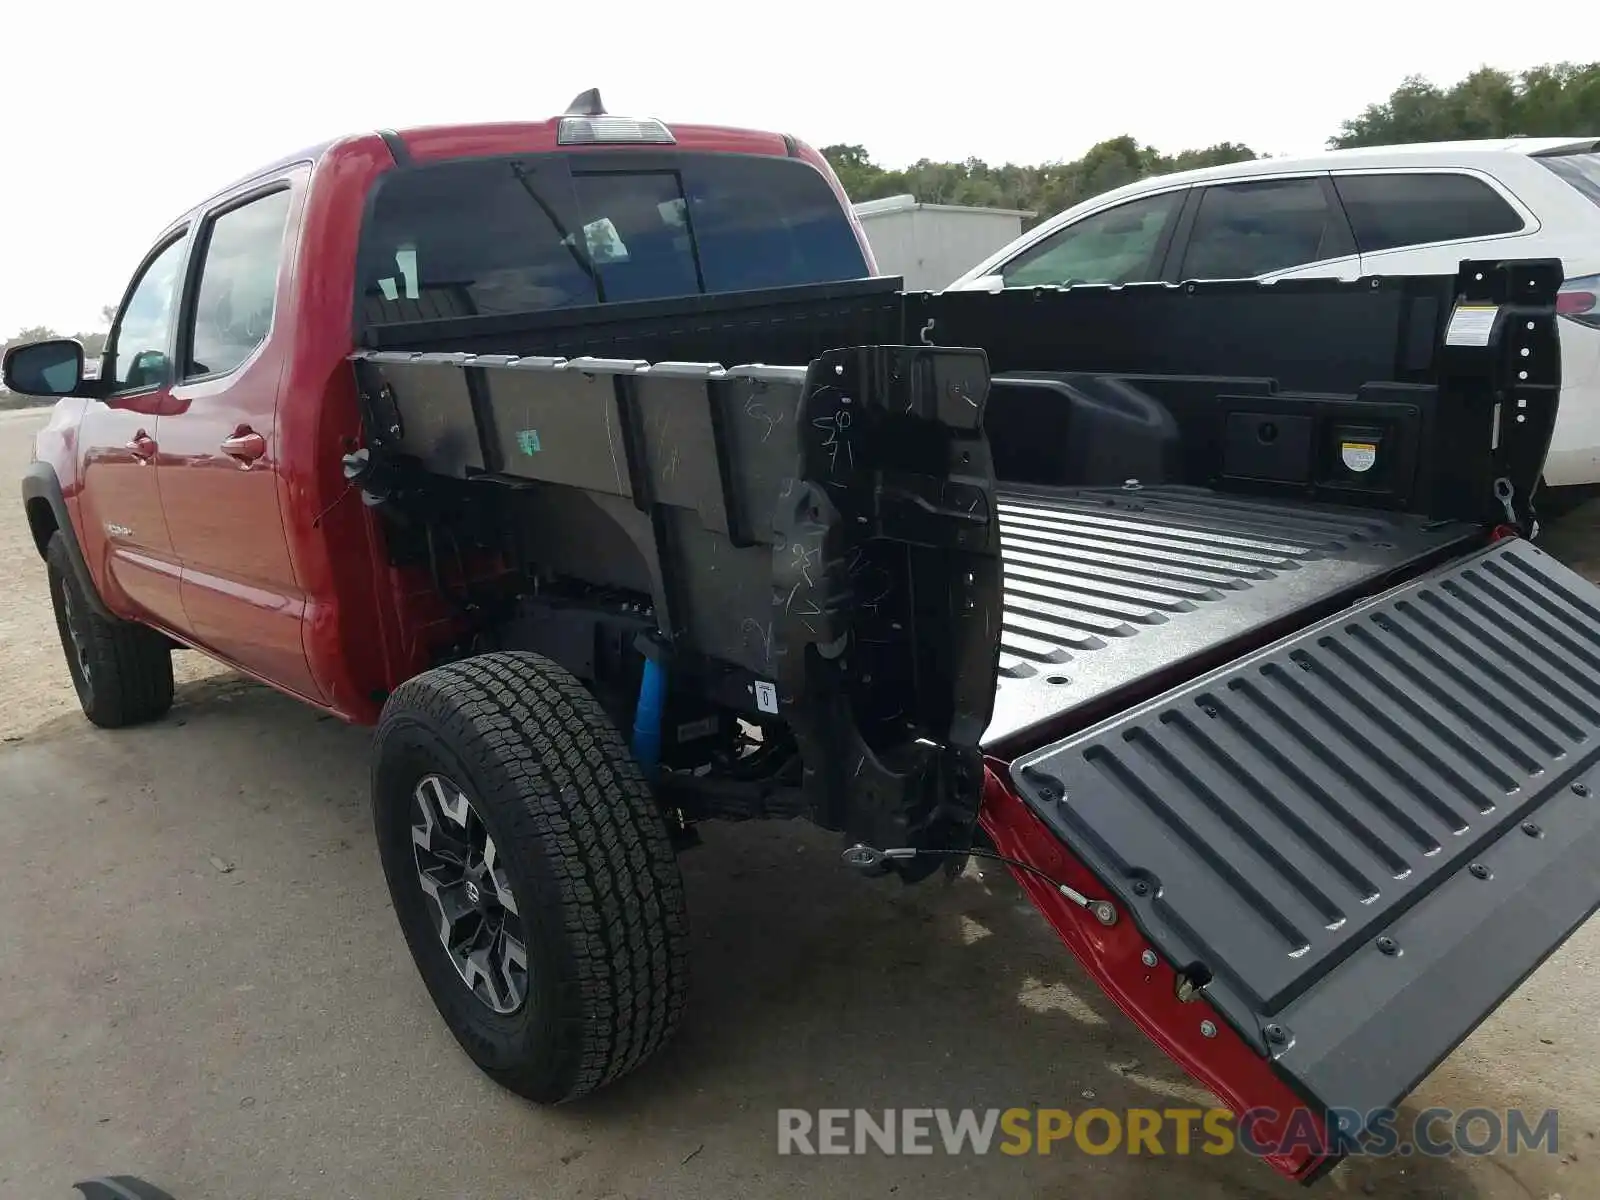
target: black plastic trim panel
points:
(398, 150)
(40, 484)
(1369, 833)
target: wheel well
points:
(41, 522)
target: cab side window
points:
(1242, 230)
(141, 341)
(1119, 245)
(238, 291)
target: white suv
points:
(1392, 210)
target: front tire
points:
(532, 873)
(121, 671)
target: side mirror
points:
(51, 368)
(150, 368)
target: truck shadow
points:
(1574, 538)
(813, 988)
(820, 989)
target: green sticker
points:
(528, 441)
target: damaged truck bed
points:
(1207, 603)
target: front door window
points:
(141, 342)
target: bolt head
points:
(1276, 1034)
(1531, 828)
(1208, 1029)
(1387, 945)
(1148, 958)
(863, 856)
(1581, 789)
(1479, 871)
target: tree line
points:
(94, 341)
(1560, 99)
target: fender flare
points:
(40, 485)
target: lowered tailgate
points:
(1366, 835)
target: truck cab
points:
(200, 475)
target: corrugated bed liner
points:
(1367, 833)
(1106, 588)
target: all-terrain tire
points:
(599, 897)
(121, 671)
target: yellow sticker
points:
(1358, 456)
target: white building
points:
(930, 245)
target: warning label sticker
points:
(1358, 456)
(1471, 325)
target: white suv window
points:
(1119, 245)
(1414, 208)
(1247, 229)
(1582, 171)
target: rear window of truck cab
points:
(474, 237)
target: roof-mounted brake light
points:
(589, 131)
(586, 123)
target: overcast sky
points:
(117, 116)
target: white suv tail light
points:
(1579, 300)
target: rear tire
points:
(511, 816)
(121, 671)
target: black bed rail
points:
(1371, 353)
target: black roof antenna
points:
(586, 104)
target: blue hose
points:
(647, 715)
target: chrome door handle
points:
(245, 446)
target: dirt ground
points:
(201, 983)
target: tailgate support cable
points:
(870, 858)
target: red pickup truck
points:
(1203, 608)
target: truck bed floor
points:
(1110, 593)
